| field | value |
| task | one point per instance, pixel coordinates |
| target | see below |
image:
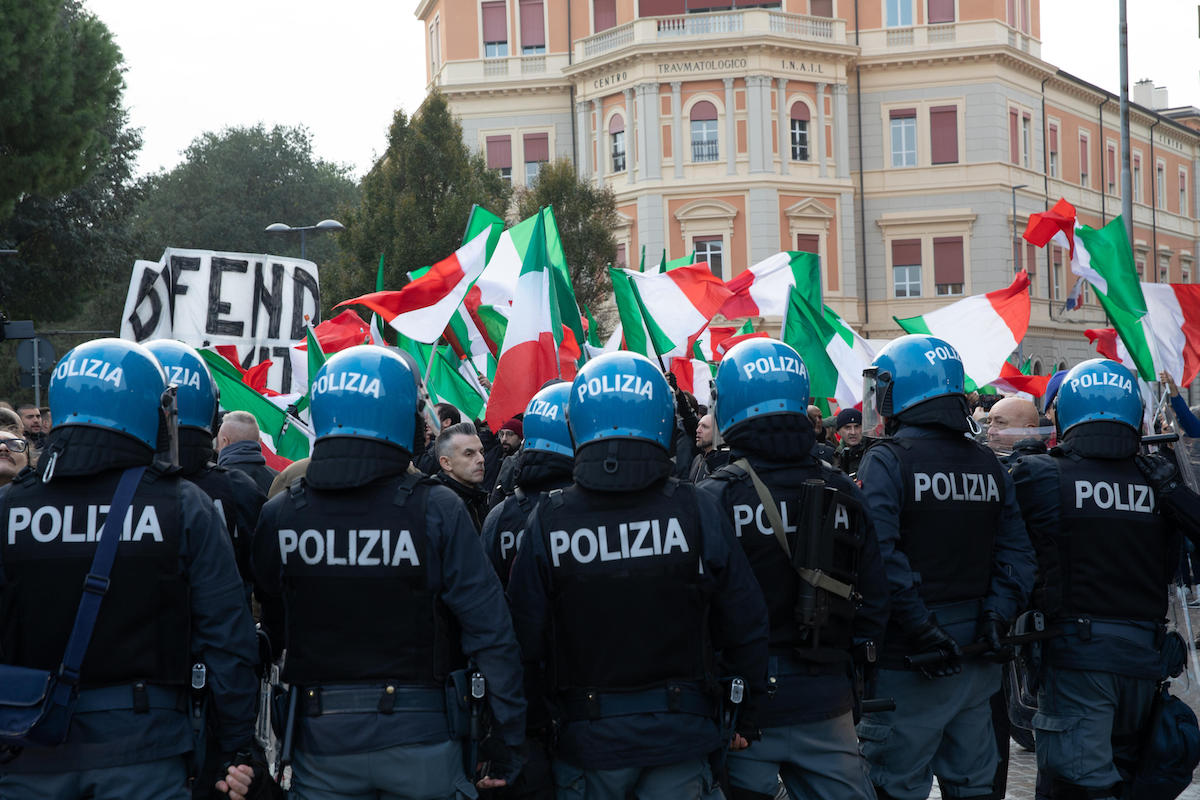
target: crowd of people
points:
(620, 593)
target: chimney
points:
(1143, 93)
(1160, 98)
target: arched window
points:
(704, 132)
(616, 134)
(800, 118)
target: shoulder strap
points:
(768, 503)
(406, 487)
(523, 500)
(669, 487)
(95, 585)
(296, 492)
(555, 498)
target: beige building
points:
(892, 137)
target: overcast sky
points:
(341, 69)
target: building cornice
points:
(422, 9)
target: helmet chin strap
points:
(973, 424)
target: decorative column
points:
(649, 132)
(633, 134)
(785, 128)
(841, 129)
(730, 131)
(821, 128)
(583, 137)
(677, 126)
(767, 144)
(598, 134)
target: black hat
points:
(848, 416)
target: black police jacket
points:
(813, 666)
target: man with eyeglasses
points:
(13, 457)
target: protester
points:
(13, 456)
(31, 417)
(1187, 420)
(239, 446)
(821, 448)
(1013, 427)
(11, 421)
(710, 458)
(851, 446)
(461, 462)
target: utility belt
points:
(390, 698)
(137, 697)
(674, 698)
(1145, 634)
(952, 617)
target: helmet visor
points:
(872, 423)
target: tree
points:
(61, 76)
(416, 199)
(233, 184)
(586, 218)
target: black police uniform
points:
(1107, 549)
(808, 735)
(174, 598)
(387, 594)
(954, 546)
(626, 586)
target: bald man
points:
(1013, 428)
(238, 447)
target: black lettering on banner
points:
(271, 300)
(284, 357)
(216, 307)
(301, 280)
(146, 291)
(178, 265)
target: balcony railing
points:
(976, 33)
(750, 22)
(705, 150)
(482, 70)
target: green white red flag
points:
(675, 306)
(834, 353)
(983, 328)
(763, 289)
(423, 308)
(530, 354)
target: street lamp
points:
(324, 226)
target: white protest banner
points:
(256, 302)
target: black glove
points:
(262, 786)
(504, 762)
(865, 661)
(990, 629)
(1160, 472)
(927, 638)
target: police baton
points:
(878, 704)
(289, 728)
(478, 692)
(979, 648)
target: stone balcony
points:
(946, 36)
(526, 70)
(723, 28)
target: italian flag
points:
(983, 328)
(529, 356)
(695, 376)
(1157, 322)
(1016, 381)
(422, 309)
(834, 354)
(763, 289)
(284, 437)
(675, 306)
(497, 285)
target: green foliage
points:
(60, 83)
(586, 218)
(233, 184)
(415, 201)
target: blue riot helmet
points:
(759, 377)
(621, 395)
(545, 421)
(908, 371)
(366, 392)
(113, 384)
(196, 398)
(1098, 390)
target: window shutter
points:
(605, 14)
(800, 111)
(1053, 138)
(616, 124)
(660, 8)
(537, 147)
(703, 110)
(941, 11)
(499, 152)
(808, 243)
(533, 32)
(820, 8)
(902, 113)
(947, 259)
(943, 134)
(1014, 143)
(906, 252)
(495, 27)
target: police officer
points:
(826, 591)
(387, 594)
(235, 494)
(960, 566)
(1106, 524)
(173, 597)
(626, 585)
(543, 464)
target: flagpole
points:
(429, 366)
(1126, 177)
